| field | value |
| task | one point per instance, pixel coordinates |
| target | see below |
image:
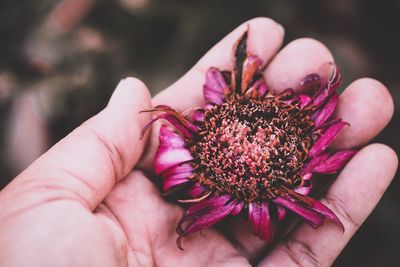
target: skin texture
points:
(81, 205)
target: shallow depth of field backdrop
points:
(61, 59)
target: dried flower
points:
(250, 149)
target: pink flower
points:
(250, 150)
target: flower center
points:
(252, 149)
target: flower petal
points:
(204, 214)
(238, 208)
(239, 55)
(325, 112)
(171, 151)
(175, 118)
(333, 163)
(176, 175)
(304, 100)
(251, 65)
(329, 87)
(260, 219)
(198, 115)
(197, 190)
(312, 217)
(328, 136)
(215, 88)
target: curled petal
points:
(171, 151)
(260, 219)
(251, 66)
(176, 175)
(329, 87)
(312, 217)
(262, 90)
(175, 118)
(329, 163)
(204, 214)
(313, 211)
(215, 88)
(326, 111)
(304, 190)
(238, 208)
(198, 115)
(197, 190)
(281, 212)
(239, 56)
(311, 81)
(304, 100)
(328, 136)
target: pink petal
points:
(323, 114)
(310, 82)
(197, 190)
(304, 100)
(326, 138)
(238, 208)
(328, 88)
(171, 151)
(204, 214)
(260, 219)
(176, 175)
(175, 118)
(304, 190)
(334, 162)
(250, 66)
(215, 88)
(198, 115)
(281, 212)
(313, 218)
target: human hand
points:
(80, 204)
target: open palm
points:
(80, 204)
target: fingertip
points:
(295, 61)
(368, 106)
(130, 89)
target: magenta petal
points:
(175, 118)
(325, 112)
(334, 162)
(281, 212)
(326, 138)
(309, 167)
(329, 88)
(198, 115)
(262, 90)
(312, 217)
(171, 151)
(304, 190)
(326, 212)
(304, 100)
(215, 88)
(176, 175)
(238, 208)
(204, 214)
(197, 190)
(259, 217)
(311, 81)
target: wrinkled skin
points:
(80, 204)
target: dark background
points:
(60, 61)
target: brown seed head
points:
(252, 148)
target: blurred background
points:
(61, 59)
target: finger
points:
(352, 198)
(264, 39)
(86, 164)
(367, 106)
(295, 61)
(149, 223)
